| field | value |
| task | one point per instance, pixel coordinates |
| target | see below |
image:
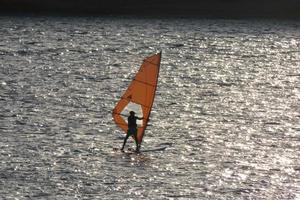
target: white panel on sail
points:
(135, 108)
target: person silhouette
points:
(132, 130)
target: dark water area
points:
(227, 108)
(200, 8)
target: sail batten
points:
(139, 96)
(145, 83)
(136, 102)
(150, 62)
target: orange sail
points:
(139, 96)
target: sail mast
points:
(147, 119)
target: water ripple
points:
(227, 107)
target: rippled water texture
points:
(227, 107)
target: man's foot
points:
(122, 149)
(137, 150)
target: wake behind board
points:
(131, 150)
(126, 151)
(153, 150)
(147, 150)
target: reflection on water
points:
(227, 107)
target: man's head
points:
(131, 112)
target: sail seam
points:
(144, 82)
(150, 62)
(135, 102)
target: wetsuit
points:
(132, 125)
(132, 130)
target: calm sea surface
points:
(227, 108)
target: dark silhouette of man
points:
(132, 130)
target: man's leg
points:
(125, 140)
(136, 142)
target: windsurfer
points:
(132, 129)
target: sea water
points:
(227, 108)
